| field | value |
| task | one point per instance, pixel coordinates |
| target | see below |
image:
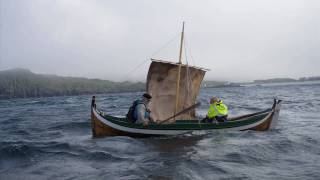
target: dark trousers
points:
(221, 118)
(217, 118)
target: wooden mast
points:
(179, 71)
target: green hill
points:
(20, 83)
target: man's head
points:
(213, 100)
(147, 97)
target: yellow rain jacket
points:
(217, 109)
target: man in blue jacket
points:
(142, 111)
(139, 112)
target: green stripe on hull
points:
(189, 124)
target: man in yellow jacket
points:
(217, 111)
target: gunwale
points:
(107, 125)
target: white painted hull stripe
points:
(171, 132)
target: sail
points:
(162, 83)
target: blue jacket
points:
(141, 113)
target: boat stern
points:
(272, 119)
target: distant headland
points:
(216, 84)
(22, 83)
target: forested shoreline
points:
(22, 83)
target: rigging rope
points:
(147, 59)
(188, 78)
(188, 74)
(189, 49)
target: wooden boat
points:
(106, 125)
(174, 87)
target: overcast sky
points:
(239, 40)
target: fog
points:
(238, 40)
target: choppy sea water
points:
(50, 138)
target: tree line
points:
(21, 83)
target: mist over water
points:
(50, 138)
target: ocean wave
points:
(53, 135)
(104, 156)
(17, 150)
(71, 126)
(21, 150)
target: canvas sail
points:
(162, 83)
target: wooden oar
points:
(182, 112)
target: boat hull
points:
(105, 125)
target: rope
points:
(188, 77)
(189, 49)
(147, 59)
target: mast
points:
(179, 71)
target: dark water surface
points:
(50, 138)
